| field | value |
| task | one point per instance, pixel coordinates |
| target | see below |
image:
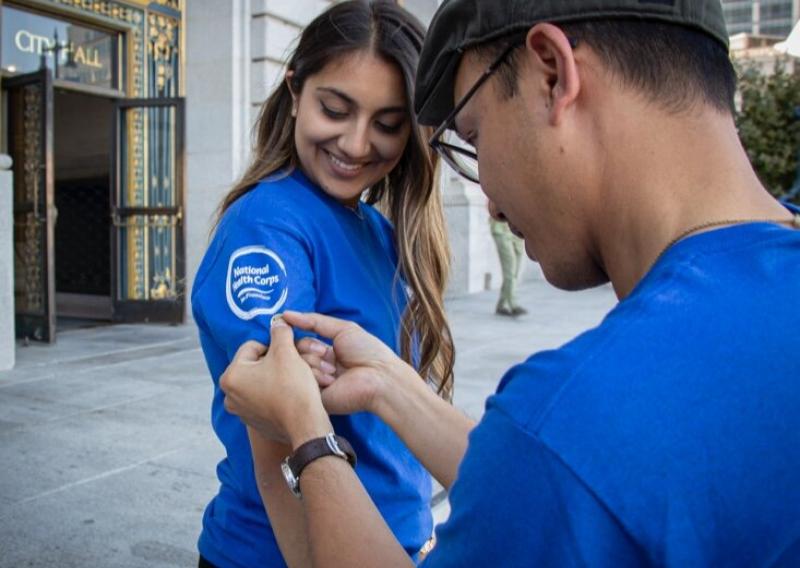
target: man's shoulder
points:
(678, 392)
(678, 412)
(664, 347)
(697, 325)
(529, 390)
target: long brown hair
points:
(409, 194)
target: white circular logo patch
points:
(257, 283)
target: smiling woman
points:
(352, 124)
(338, 147)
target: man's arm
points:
(345, 527)
(278, 396)
(434, 430)
(372, 377)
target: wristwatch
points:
(330, 445)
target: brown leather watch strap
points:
(330, 445)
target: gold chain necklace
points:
(794, 222)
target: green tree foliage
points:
(768, 125)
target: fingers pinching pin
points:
(277, 319)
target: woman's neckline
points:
(357, 210)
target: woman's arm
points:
(345, 526)
(285, 512)
(278, 396)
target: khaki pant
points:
(510, 249)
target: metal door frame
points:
(29, 325)
(164, 311)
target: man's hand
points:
(356, 371)
(363, 374)
(276, 394)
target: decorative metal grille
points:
(30, 237)
(148, 151)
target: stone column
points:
(6, 261)
(234, 56)
(476, 266)
(217, 114)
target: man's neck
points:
(669, 175)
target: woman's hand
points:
(275, 393)
(355, 373)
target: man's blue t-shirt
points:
(288, 245)
(669, 435)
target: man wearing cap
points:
(667, 435)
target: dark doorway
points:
(82, 161)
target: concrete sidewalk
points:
(108, 457)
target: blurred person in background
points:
(510, 251)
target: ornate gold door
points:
(30, 141)
(147, 211)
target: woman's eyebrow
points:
(350, 101)
(338, 93)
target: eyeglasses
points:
(457, 153)
(454, 151)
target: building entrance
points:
(94, 239)
(82, 175)
(93, 120)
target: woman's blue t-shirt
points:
(288, 245)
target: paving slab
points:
(108, 523)
(199, 457)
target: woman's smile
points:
(343, 167)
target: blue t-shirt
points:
(288, 245)
(669, 435)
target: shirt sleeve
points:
(516, 504)
(257, 270)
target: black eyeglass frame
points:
(441, 146)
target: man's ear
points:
(288, 78)
(553, 56)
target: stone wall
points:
(476, 266)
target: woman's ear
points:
(288, 78)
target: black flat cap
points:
(461, 24)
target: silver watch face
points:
(291, 480)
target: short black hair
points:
(675, 66)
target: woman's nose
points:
(355, 142)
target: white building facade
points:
(761, 17)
